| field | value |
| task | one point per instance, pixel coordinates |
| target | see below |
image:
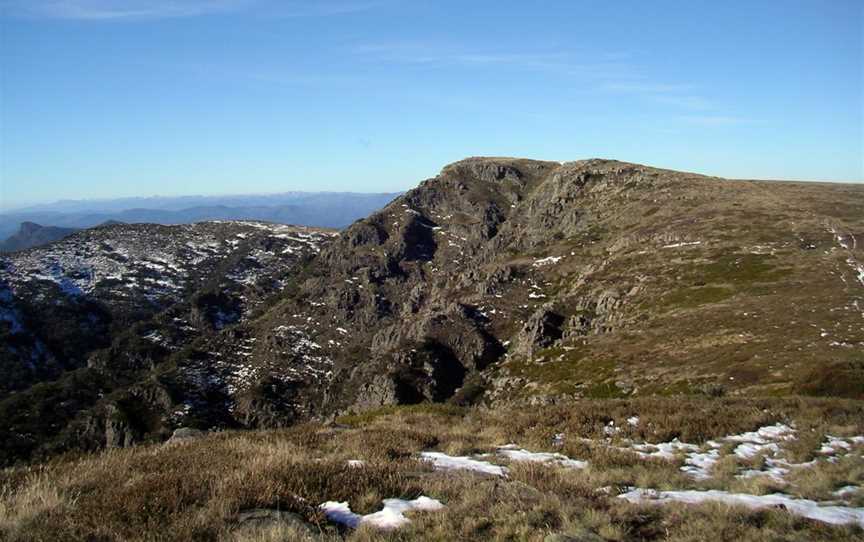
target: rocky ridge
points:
(508, 280)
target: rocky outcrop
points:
(542, 330)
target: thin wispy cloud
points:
(115, 10)
(133, 10)
(412, 53)
(677, 95)
(567, 63)
(646, 88)
(611, 72)
(326, 8)
(694, 103)
(606, 71)
(715, 120)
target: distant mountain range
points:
(55, 220)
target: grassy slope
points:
(767, 302)
(195, 490)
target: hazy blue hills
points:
(30, 234)
(321, 209)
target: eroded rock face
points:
(378, 391)
(118, 434)
(542, 330)
(484, 170)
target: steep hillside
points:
(503, 280)
(498, 281)
(98, 311)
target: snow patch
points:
(391, 516)
(664, 450)
(547, 261)
(846, 491)
(443, 461)
(514, 453)
(836, 515)
(683, 244)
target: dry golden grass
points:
(195, 490)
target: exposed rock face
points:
(543, 329)
(511, 258)
(498, 280)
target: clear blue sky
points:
(104, 98)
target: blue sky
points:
(105, 98)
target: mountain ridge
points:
(506, 280)
(323, 209)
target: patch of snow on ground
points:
(859, 269)
(837, 515)
(390, 517)
(834, 445)
(699, 464)
(764, 435)
(748, 449)
(547, 261)
(664, 450)
(682, 244)
(846, 491)
(514, 453)
(443, 461)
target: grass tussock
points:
(200, 489)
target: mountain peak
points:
(31, 234)
(28, 228)
(497, 168)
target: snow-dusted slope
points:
(153, 262)
(65, 300)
